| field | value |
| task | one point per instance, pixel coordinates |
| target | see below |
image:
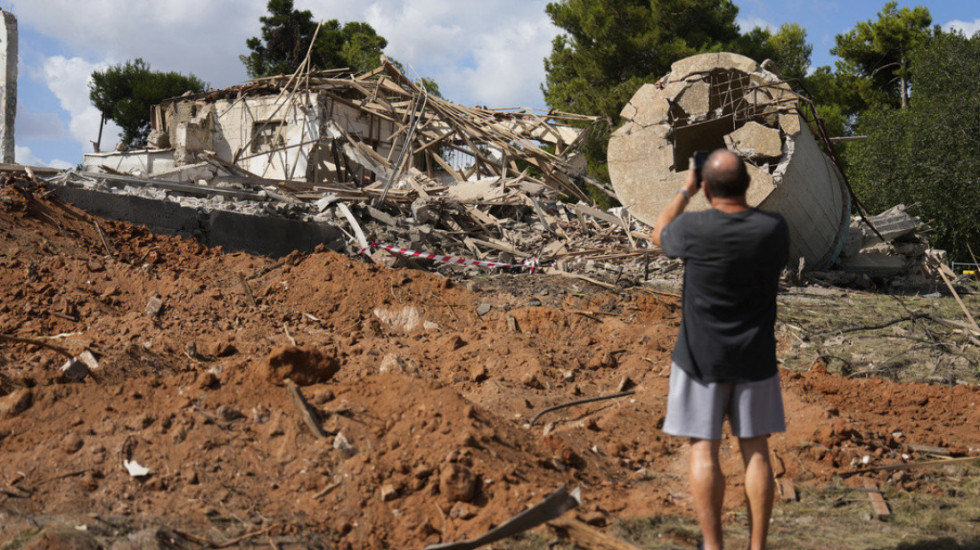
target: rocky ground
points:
(424, 388)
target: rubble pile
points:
(379, 161)
(891, 248)
(500, 220)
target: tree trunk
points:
(98, 141)
(903, 82)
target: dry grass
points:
(836, 328)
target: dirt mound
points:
(423, 388)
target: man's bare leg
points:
(707, 489)
(759, 487)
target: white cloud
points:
(479, 52)
(61, 164)
(968, 28)
(746, 24)
(203, 37)
(510, 65)
(68, 81)
(23, 155)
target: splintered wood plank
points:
(878, 505)
(445, 165)
(304, 409)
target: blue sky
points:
(481, 52)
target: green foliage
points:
(791, 51)
(610, 48)
(926, 155)
(787, 48)
(286, 36)
(838, 98)
(431, 86)
(880, 52)
(125, 93)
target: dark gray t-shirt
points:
(733, 263)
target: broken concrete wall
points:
(725, 100)
(234, 231)
(140, 163)
(271, 136)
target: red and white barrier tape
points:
(531, 263)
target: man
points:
(724, 362)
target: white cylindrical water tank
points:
(717, 100)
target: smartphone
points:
(697, 161)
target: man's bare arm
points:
(675, 207)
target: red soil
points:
(431, 398)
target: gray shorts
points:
(696, 409)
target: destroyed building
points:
(327, 127)
(308, 145)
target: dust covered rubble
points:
(502, 220)
(889, 250)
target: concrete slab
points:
(707, 62)
(874, 264)
(754, 140)
(235, 232)
(695, 99)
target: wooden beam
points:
(878, 505)
(304, 409)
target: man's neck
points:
(729, 205)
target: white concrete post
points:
(8, 85)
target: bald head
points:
(725, 174)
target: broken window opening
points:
(702, 136)
(268, 136)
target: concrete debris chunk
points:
(874, 264)
(892, 224)
(341, 443)
(154, 305)
(694, 100)
(89, 359)
(755, 141)
(406, 318)
(135, 469)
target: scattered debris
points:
(154, 305)
(878, 504)
(135, 469)
(552, 507)
(75, 369)
(307, 412)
